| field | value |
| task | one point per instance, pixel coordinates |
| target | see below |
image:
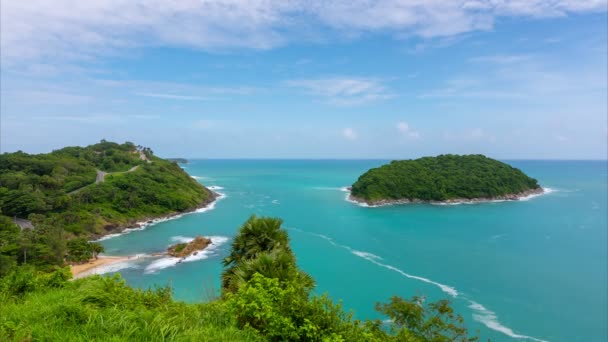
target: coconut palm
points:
(278, 264)
(257, 235)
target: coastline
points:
(142, 223)
(386, 202)
(80, 270)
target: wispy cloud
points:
(501, 59)
(173, 96)
(344, 91)
(349, 133)
(406, 131)
(39, 30)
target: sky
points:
(385, 79)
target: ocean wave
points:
(546, 191)
(374, 259)
(166, 262)
(482, 314)
(132, 262)
(326, 188)
(181, 239)
(211, 206)
(275, 202)
(490, 320)
(215, 187)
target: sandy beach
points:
(100, 261)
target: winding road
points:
(101, 177)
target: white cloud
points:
(173, 96)
(500, 59)
(405, 130)
(41, 30)
(344, 91)
(349, 133)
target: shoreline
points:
(81, 270)
(141, 224)
(508, 197)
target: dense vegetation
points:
(442, 178)
(265, 297)
(59, 194)
(60, 189)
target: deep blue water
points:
(534, 269)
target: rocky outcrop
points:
(507, 197)
(183, 250)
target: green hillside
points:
(442, 178)
(93, 190)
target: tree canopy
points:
(60, 188)
(442, 178)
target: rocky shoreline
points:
(142, 222)
(507, 197)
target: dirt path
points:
(101, 177)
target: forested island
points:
(443, 179)
(76, 194)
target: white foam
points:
(374, 259)
(166, 262)
(482, 315)
(181, 239)
(215, 187)
(145, 224)
(496, 237)
(490, 320)
(546, 191)
(366, 255)
(113, 267)
(211, 206)
(326, 188)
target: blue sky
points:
(308, 79)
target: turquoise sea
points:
(527, 270)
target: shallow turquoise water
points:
(533, 269)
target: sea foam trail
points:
(490, 320)
(166, 262)
(482, 314)
(145, 224)
(375, 259)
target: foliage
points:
(59, 188)
(261, 246)
(80, 249)
(442, 178)
(413, 321)
(106, 309)
(282, 313)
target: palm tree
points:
(255, 236)
(261, 246)
(278, 264)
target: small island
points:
(185, 249)
(443, 179)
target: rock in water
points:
(182, 250)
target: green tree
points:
(256, 237)
(413, 321)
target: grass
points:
(105, 309)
